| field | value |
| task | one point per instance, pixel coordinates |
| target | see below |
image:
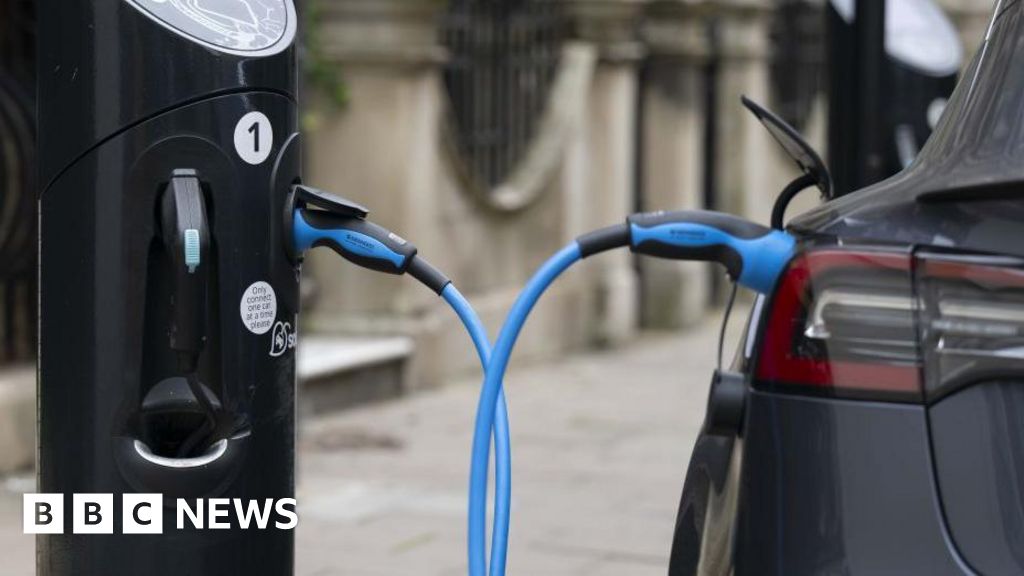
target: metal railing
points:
(503, 56)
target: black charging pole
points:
(168, 304)
(870, 73)
(856, 74)
(889, 74)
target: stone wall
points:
(387, 149)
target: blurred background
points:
(492, 132)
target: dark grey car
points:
(883, 382)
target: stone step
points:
(334, 373)
(17, 417)
(338, 372)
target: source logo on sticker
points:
(258, 307)
(282, 340)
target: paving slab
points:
(600, 444)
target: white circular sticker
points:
(259, 307)
(254, 137)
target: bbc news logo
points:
(144, 514)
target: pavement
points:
(600, 443)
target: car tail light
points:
(892, 325)
(842, 323)
(971, 319)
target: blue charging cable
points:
(502, 448)
(489, 394)
(341, 225)
(754, 256)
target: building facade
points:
(492, 133)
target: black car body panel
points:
(978, 437)
(839, 487)
(832, 486)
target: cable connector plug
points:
(754, 255)
(320, 218)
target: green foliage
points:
(321, 74)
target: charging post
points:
(168, 302)
(890, 66)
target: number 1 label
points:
(254, 137)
